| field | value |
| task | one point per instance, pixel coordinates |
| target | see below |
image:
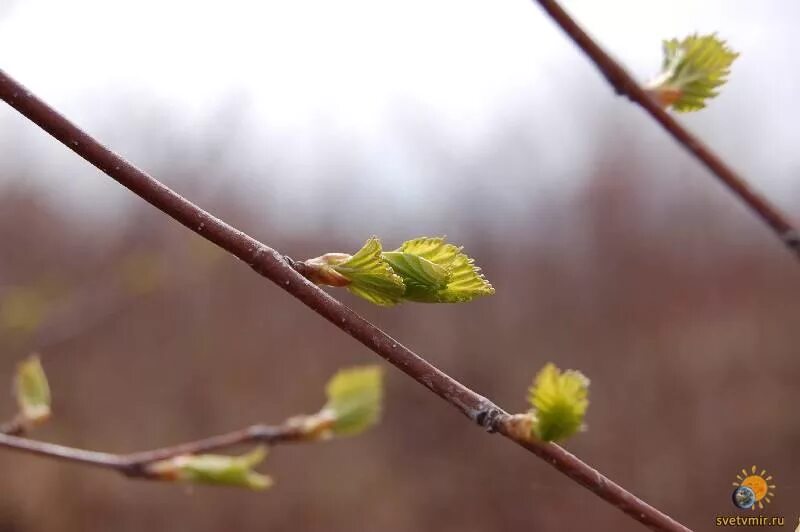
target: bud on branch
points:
(425, 270)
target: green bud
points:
(692, 71)
(559, 401)
(32, 391)
(425, 270)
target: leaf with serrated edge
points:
(435, 249)
(692, 71)
(371, 276)
(464, 281)
(560, 401)
(417, 270)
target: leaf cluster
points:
(692, 71)
(425, 270)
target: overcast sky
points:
(307, 71)
(351, 59)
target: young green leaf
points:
(692, 71)
(32, 391)
(418, 273)
(214, 469)
(426, 270)
(559, 401)
(462, 279)
(370, 275)
(354, 399)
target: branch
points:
(135, 465)
(625, 85)
(272, 265)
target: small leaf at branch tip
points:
(559, 400)
(214, 469)
(355, 398)
(424, 270)
(692, 71)
(32, 391)
(437, 272)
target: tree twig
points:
(272, 265)
(135, 464)
(625, 85)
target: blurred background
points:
(313, 125)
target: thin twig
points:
(272, 265)
(625, 85)
(135, 465)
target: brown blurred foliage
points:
(677, 304)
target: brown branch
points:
(625, 85)
(269, 263)
(135, 465)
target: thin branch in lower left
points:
(136, 465)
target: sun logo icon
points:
(753, 489)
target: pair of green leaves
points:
(425, 270)
(692, 71)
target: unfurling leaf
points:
(214, 469)
(354, 400)
(370, 276)
(559, 401)
(463, 280)
(692, 71)
(426, 270)
(32, 391)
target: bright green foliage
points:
(559, 401)
(32, 390)
(215, 469)
(456, 278)
(370, 276)
(419, 275)
(692, 71)
(354, 399)
(426, 270)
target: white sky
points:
(306, 71)
(349, 59)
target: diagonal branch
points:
(272, 265)
(135, 465)
(625, 85)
